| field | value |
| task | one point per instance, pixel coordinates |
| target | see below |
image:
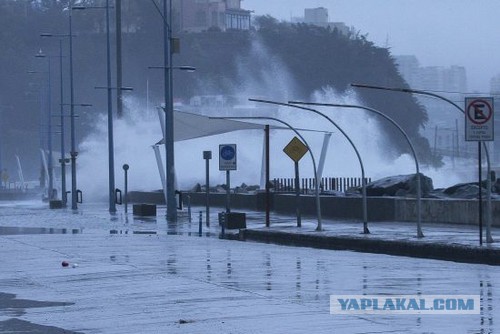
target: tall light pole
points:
(43, 177)
(169, 114)
(489, 238)
(64, 197)
(420, 234)
(62, 160)
(109, 88)
(363, 178)
(111, 154)
(73, 151)
(169, 108)
(50, 166)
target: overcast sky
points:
(438, 32)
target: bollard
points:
(200, 226)
(189, 207)
(125, 169)
(79, 196)
(118, 196)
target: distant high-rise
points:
(495, 93)
(202, 15)
(316, 16)
(444, 125)
(451, 79)
(319, 17)
(409, 68)
(495, 85)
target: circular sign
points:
(125, 167)
(227, 153)
(479, 111)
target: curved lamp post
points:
(419, 190)
(363, 182)
(319, 227)
(489, 238)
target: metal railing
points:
(340, 184)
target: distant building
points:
(202, 15)
(495, 93)
(316, 16)
(495, 85)
(451, 79)
(444, 129)
(409, 68)
(319, 17)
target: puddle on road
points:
(14, 230)
(12, 306)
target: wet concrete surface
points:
(174, 281)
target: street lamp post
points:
(109, 88)
(62, 160)
(64, 197)
(169, 108)
(50, 166)
(169, 115)
(420, 234)
(73, 152)
(111, 155)
(363, 182)
(489, 238)
(164, 126)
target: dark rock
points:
(464, 190)
(196, 188)
(495, 186)
(399, 185)
(253, 188)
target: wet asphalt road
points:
(178, 282)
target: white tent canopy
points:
(191, 126)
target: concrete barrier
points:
(455, 211)
(429, 250)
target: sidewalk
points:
(441, 241)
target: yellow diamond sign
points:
(295, 149)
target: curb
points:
(436, 251)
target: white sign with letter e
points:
(479, 119)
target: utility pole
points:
(119, 101)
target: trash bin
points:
(144, 210)
(232, 220)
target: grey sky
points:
(438, 32)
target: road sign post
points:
(227, 162)
(479, 119)
(479, 126)
(207, 155)
(296, 150)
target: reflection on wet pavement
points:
(13, 230)
(11, 306)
